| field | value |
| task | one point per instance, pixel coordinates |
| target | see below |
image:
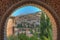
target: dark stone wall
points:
(6, 4)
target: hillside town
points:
(23, 24)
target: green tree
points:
(19, 26)
(45, 27)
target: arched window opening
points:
(29, 23)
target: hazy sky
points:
(25, 10)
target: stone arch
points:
(19, 4)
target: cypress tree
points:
(45, 27)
